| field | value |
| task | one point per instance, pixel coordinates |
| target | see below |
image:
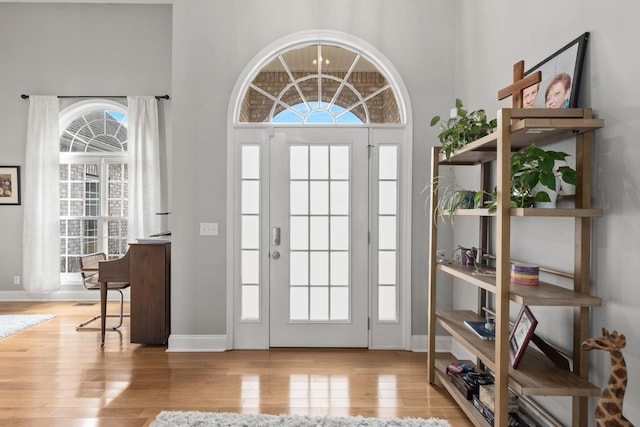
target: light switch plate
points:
(208, 228)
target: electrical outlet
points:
(16, 280)
(208, 228)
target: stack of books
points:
(485, 404)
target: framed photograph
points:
(9, 185)
(521, 335)
(561, 74)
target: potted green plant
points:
(534, 176)
(451, 196)
(533, 166)
(462, 128)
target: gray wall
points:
(71, 49)
(489, 41)
(213, 42)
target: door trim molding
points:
(404, 105)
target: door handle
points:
(275, 236)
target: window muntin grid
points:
(319, 83)
(388, 233)
(250, 212)
(319, 224)
(93, 182)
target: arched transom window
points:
(319, 83)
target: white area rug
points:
(12, 323)
(221, 419)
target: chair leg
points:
(120, 316)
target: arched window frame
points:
(104, 219)
(319, 75)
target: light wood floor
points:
(51, 375)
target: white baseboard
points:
(68, 294)
(443, 344)
(197, 343)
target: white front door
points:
(318, 238)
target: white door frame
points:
(405, 197)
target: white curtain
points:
(144, 167)
(41, 230)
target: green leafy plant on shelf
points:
(450, 196)
(533, 166)
(465, 127)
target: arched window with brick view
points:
(319, 84)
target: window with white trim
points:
(93, 182)
(319, 84)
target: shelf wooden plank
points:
(563, 212)
(541, 127)
(536, 375)
(466, 405)
(536, 212)
(545, 294)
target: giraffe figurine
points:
(608, 411)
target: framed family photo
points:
(521, 335)
(9, 185)
(561, 75)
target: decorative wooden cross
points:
(520, 82)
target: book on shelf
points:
(480, 329)
(484, 272)
(516, 419)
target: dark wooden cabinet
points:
(150, 277)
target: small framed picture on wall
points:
(9, 185)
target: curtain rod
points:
(23, 96)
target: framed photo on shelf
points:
(561, 75)
(521, 335)
(9, 185)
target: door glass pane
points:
(319, 269)
(339, 268)
(387, 267)
(319, 303)
(387, 303)
(319, 232)
(339, 162)
(339, 197)
(339, 303)
(299, 197)
(250, 162)
(387, 198)
(387, 232)
(319, 162)
(250, 231)
(298, 303)
(250, 197)
(299, 239)
(388, 162)
(340, 233)
(319, 194)
(250, 267)
(299, 162)
(250, 302)
(299, 268)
